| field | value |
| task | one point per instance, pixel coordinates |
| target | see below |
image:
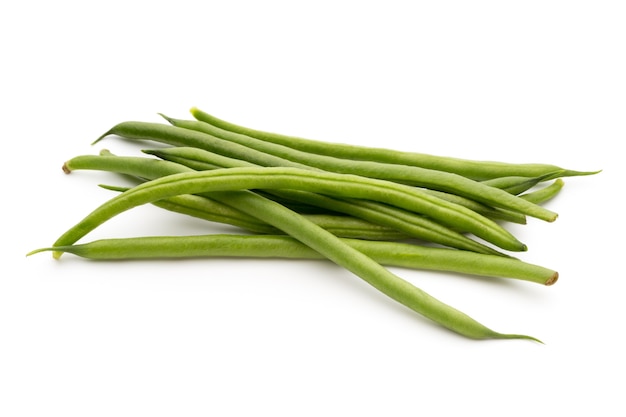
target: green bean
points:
(390, 193)
(292, 224)
(393, 254)
(546, 193)
(477, 170)
(437, 180)
(402, 220)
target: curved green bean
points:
(546, 193)
(477, 170)
(412, 175)
(409, 199)
(402, 221)
(387, 253)
(294, 225)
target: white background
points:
(535, 81)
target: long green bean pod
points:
(292, 224)
(394, 254)
(417, 176)
(404, 197)
(403, 221)
(477, 170)
(546, 193)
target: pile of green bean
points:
(363, 208)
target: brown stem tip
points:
(552, 279)
(66, 169)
